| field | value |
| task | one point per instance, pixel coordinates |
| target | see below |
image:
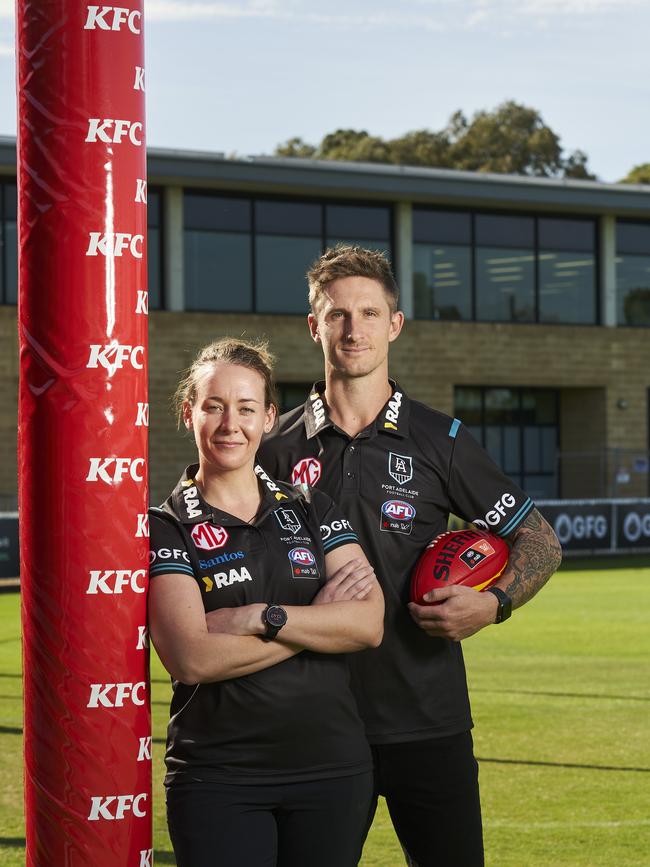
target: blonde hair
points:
(346, 260)
(253, 354)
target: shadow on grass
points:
(562, 765)
(14, 842)
(563, 694)
(20, 843)
(164, 857)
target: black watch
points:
(504, 609)
(273, 617)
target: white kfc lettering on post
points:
(145, 858)
(392, 413)
(100, 130)
(141, 191)
(112, 470)
(99, 694)
(142, 304)
(112, 18)
(111, 581)
(143, 638)
(114, 356)
(138, 84)
(99, 808)
(142, 418)
(142, 531)
(114, 244)
(144, 753)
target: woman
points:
(267, 762)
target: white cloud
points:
(7, 50)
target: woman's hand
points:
(243, 620)
(354, 580)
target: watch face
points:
(276, 616)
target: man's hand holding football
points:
(462, 612)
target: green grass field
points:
(561, 703)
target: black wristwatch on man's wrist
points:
(504, 608)
(274, 618)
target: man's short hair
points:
(346, 260)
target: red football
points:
(473, 558)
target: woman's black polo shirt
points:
(296, 720)
(397, 481)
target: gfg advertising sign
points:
(601, 526)
(633, 526)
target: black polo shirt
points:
(296, 720)
(397, 481)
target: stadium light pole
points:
(83, 419)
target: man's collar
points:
(190, 507)
(393, 418)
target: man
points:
(362, 440)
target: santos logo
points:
(100, 693)
(398, 509)
(568, 527)
(113, 356)
(113, 470)
(495, 514)
(302, 556)
(99, 130)
(114, 244)
(111, 581)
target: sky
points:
(241, 76)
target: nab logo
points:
(288, 520)
(400, 467)
(207, 537)
(399, 510)
(302, 556)
(306, 472)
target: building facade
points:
(527, 301)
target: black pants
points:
(315, 824)
(431, 789)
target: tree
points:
(512, 139)
(638, 175)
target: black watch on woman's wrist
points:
(273, 617)
(504, 608)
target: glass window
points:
(9, 245)
(292, 394)
(442, 281)
(280, 267)
(445, 227)
(633, 290)
(223, 213)
(505, 285)
(218, 273)
(567, 287)
(154, 248)
(633, 237)
(566, 234)
(356, 222)
(469, 406)
(288, 218)
(494, 230)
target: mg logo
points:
(207, 537)
(306, 472)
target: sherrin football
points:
(473, 558)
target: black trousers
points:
(315, 824)
(431, 789)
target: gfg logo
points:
(398, 509)
(302, 556)
(636, 526)
(568, 527)
(496, 513)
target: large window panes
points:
(8, 244)
(292, 394)
(367, 226)
(505, 268)
(519, 428)
(218, 253)
(632, 273)
(288, 239)
(442, 265)
(567, 270)
(154, 248)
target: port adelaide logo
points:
(397, 517)
(303, 563)
(400, 468)
(288, 520)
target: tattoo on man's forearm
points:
(534, 557)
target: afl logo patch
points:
(303, 563)
(306, 472)
(207, 536)
(397, 517)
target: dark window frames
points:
(519, 428)
(261, 248)
(8, 243)
(632, 273)
(154, 248)
(292, 394)
(496, 267)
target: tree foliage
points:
(512, 139)
(638, 175)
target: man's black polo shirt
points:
(397, 481)
(297, 720)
